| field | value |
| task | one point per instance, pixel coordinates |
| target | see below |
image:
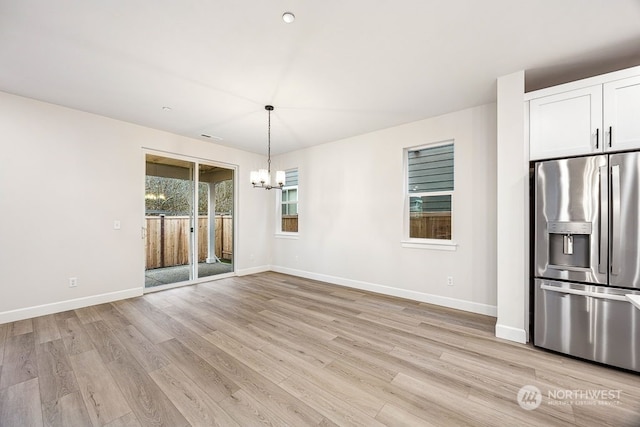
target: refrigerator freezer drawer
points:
(591, 322)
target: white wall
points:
(351, 214)
(513, 216)
(65, 176)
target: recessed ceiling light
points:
(166, 108)
(288, 17)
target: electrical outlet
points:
(116, 225)
(449, 280)
(73, 282)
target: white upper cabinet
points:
(622, 114)
(594, 115)
(566, 124)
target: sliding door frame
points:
(193, 240)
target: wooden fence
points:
(167, 241)
(430, 225)
(290, 223)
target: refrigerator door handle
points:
(634, 299)
(615, 219)
(602, 242)
(585, 293)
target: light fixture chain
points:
(262, 178)
(269, 145)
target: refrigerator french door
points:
(587, 266)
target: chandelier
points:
(262, 177)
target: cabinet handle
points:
(610, 135)
(597, 137)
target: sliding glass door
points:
(188, 221)
(215, 220)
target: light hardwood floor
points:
(271, 349)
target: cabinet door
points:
(622, 114)
(566, 124)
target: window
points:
(289, 203)
(430, 191)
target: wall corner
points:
(512, 212)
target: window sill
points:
(445, 245)
(290, 236)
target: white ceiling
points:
(343, 68)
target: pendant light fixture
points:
(262, 177)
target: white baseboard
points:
(512, 334)
(474, 307)
(505, 332)
(58, 307)
(253, 270)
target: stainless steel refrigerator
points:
(587, 258)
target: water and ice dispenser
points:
(569, 244)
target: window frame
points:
(420, 242)
(280, 203)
